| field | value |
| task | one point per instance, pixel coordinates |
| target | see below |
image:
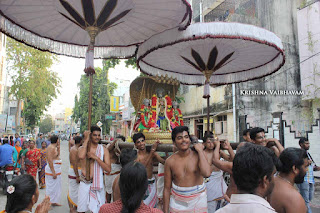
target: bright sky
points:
(70, 70)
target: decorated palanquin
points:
(156, 113)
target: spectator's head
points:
(22, 193)
(181, 137)
(208, 140)
(294, 161)
(43, 145)
(194, 139)
(41, 135)
(246, 135)
(25, 145)
(5, 140)
(304, 143)
(257, 136)
(31, 144)
(16, 135)
(95, 134)
(11, 138)
(17, 143)
(122, 138)
(77, 140)
(54, 139)
(133, 184)
(127, 155)
(253, 170)
(139, 141)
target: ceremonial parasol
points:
(74, 28)
(68, 26)
(215, 53)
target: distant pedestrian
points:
(17, 138)
(53, 171)
(43, 163)
(22, 156)
(32, 159)
(39, 141)
(11, 141)
(48, 141)
(307, 187)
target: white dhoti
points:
(150, 198)
(84, 198)
(109, 177)
(91, 195)
(160, 180)
(216, 188)
(73, 187)
(53, 186)
(188, 199)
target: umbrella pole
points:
(89, 70)
(208, 114)
(89, 125)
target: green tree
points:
(101, 91)
(32, 81)
(46, 124)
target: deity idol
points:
(144, 117)
(161, 111)
(176, 119)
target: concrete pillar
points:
(277, 126)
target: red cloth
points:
(116, 207)
(33, 156)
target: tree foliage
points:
(46, 124)
(32, 80)
(102, 88)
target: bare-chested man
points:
(216, 187)
(147, 159)
(71, 140)
(115, 168)
(258, 137)
(293, 167)
(53, 171)
(91, 195)
(74, 175)
(183, 175)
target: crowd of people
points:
(104, 178)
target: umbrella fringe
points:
(62, 48)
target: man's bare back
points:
(285, 198)
(73, 156)
(54, 151)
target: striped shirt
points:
(309, 176)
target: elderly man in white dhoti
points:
(184, 189)
(53, 171)
(74, 175)
(91, 194)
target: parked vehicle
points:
(7, 173)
